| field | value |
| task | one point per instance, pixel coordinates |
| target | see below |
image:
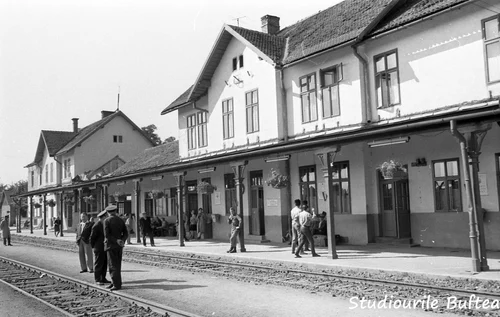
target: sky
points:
(64, 59)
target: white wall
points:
(441, 62)
(100, 148)
(349, 92)
(256, 74)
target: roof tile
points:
(150, 159)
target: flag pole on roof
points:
(118, 102)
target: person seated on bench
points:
(164, 227)
(321, 228)
(156, 225)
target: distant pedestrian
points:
(83, 241)
(235, 221)
(97, 244)
(146, 230)
(130, 226)
(295, 225)
(4, 226)
(57, 226)
(306, 242)
(305, 224)
(115, 235)
(193, 221)
(202, 221)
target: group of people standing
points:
(103, 240)
(194, 225)
(301, 229)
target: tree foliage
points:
(150, 131)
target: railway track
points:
(439, 295)
(77, 298)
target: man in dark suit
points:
(146, 230)
(115, 235)
(83, 241)
(97, 243)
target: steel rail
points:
(219, 263)
(328, 275)
(158, 308)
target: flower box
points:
(205, 188)
(277, 180)
(156, 194)
(51, 203)
(37, 205)
(393, 170)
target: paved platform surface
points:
(436, 262)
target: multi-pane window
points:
(52, 172)
(308, 98)
(308, 186)
(491, 37)
(191, 131)
(228, 118)
(40, 176)
(341, 188)
(117, 138)
(197, 130)
(238, 62)
(230, 192)
(252, 108)
(447, 194)
(202, 129)
(387, 79)
(32, 178)
(67, 165)
(330, 79)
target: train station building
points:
(388, 121)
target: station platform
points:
(431, 262)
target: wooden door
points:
(206, 200)
(389, 226)
(402, 199)
(256, 204)
(192, 203)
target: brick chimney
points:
(270, 24)
(75, 125)
(105, 113)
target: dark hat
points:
(102, 213)
(111, 208)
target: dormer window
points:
(237, 62)
(491, 40)
(117, 139)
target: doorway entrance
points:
(191, 197)
(395, 207)
(257, 226)
(206, 200)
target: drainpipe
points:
(284, 108)
(476, 264)
(365, 87)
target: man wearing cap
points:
(97, 243)
(4, 226)
(115, 235)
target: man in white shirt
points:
(295, 224)
(305, 224)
